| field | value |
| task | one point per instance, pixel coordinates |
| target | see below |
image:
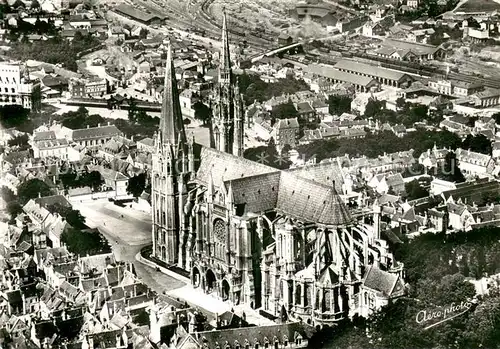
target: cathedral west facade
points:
(249, 233)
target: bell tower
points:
(172, 159)
(228, 108)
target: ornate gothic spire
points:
(225, 58)
(171, 125)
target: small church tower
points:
(228, 107)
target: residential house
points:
(286, 131)
(88, 88)
(459, 216)
(433, 158)
(94, 136)
(114, 180)
(486, 98)
(473, 163)
(387, 183)
(187, 99)
(15, 88)
(305, 111)
(320, 106)
(146, 145)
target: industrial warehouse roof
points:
(372, 70)
(329, 72)
(135, 13)
(418, 48)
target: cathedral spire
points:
(171, 125)
(225, 58)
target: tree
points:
(84, 242)
(143, 34)
(337, 105)
(92, 180)
(478, 143)
(36, 98)
(284, 111)
(136, 185)
(373, 108)
(450, 171)
(401, 103)
(72, 216)
(414, 190)
(20, 141)
(13, 115)
(13, 207)
(202, 112)
(142, 318)
(75, 119)
(132, 109)
(31, 189)
(496, 117)
(268, 155)
(94, 120)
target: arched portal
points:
(196, 277)
(211, 280)
(226, 288)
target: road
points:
(127, 235)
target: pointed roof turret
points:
(225, 58)
(171, 125)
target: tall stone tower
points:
(172, 166)
(228, 108)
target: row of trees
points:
(375, 144)
(407, 113)
(72, 179)
(55, 50)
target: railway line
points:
(423, 70)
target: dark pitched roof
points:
(16, 157)
(135, 13)
(48, 201)
(272, 333)
(223, 167)
(44, 135)
(325, 173)
(381, 281)
(261, 187)
(95, 132)
(257, 193)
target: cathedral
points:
(280, 241)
